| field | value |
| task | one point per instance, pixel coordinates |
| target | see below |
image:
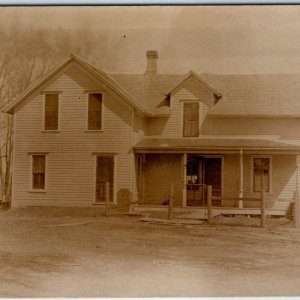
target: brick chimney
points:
(152, 56)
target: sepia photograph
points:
(149, 151)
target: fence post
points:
(106, 198)
(209, 204)
(171, 200)
(263, 208)
(296, 208)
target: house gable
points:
(197, 88)
(97, 75)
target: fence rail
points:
(207, 194)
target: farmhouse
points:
(78, 127)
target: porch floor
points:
(201, 212)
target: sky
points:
(205, 39)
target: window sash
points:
(191, 119)
(95, 112)
(261, 166)
(38, 171)
(51, 112)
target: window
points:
(51, 112)
(95, 111)
(190, 119)
(261, 174)
(38, 172)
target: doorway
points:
(203, 171)
(104, 173)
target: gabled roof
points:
(151, 90)
(263, 95)
(103, 77)
(191, 74)
(243, 95)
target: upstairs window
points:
(38, 172)
(190, 119)
(51, 112)
(261, 168)
(95, 112)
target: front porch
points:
(236, 177)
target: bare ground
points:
(119, 256)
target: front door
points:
(104, 173)
(203, 171)
(213, 175)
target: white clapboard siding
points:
(283, 178)
(71, 151)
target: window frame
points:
(87, 112)
(44, 112)
(31, 188)
(192, 101)
(270, 173)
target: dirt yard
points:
(119, 256)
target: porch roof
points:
(185, 144)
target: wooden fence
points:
(210, 204)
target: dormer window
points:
(190, 119)
(51, 111)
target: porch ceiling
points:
(192, 144)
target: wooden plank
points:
(241, 193)
(171, 200)
(263, 208)
(71, 224)
(296, 209)
(106, 198)
(173, 221)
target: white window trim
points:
(31, 189)
(270, 174)
(95, 177)
(182, 115)
(87, 113)
(59, 110)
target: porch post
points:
(296, 195)
(184, 163)
(241, 193)
(297, 172)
